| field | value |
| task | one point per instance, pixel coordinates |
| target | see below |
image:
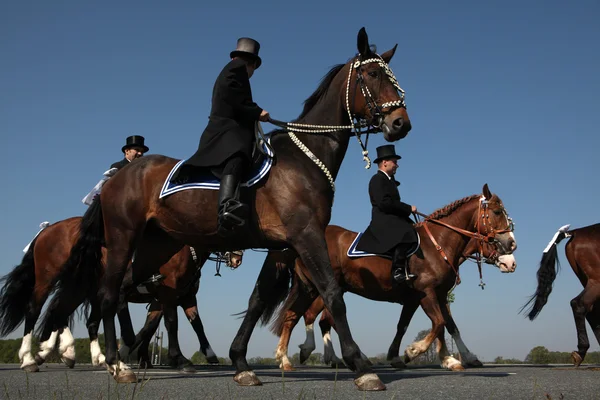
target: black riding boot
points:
(400, 272)
(232, 213)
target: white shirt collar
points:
(385, 173)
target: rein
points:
(372, 125)
(489, 237)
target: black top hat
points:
(135, 141)
(247, 47)
(386, 152)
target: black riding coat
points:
(120, 164)
(232, 119)
(390, 222)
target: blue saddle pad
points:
(353, 253)
(207, 180)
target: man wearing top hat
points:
(227, 143)
(391, 231)
(134, 148)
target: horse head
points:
(373, 92)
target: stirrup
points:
(233, 213)
(402, 275)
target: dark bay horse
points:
(27, 287)
(291, 207)
(454, 228)
(583, 253)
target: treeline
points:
(541, 355)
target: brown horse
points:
(458, 229)
(28, 286)
(285, 212)
(584, 257)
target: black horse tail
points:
(549, 267)
(78, 278)
(16, 293)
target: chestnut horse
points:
(290, 207)
(475, 224)
(583, 254)
(27, 287)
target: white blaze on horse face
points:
(25, 355)
(97, 356)
(507, 263)
(66, 348)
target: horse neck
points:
(330, 148)
(452, 242)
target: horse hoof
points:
(68, 362)
(577, 360)
(212, 360)
(475, 364)
(126, 376)
(31, 368)
(188, 369)
(369, 382)
(39, 360)
(398, 364)
(304, 355)
(456, 368)
(247, 378)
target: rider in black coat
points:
(391, 230)
(134, 148)
(227, 142)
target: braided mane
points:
(450, 208)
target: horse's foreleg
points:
(447, 360)
(93, 324)
(312, 249)
(190, 308)
(469, 359)
(176, 358)
(581, 306)
(28, 363)
(593, 318)
(144, 336)
(127, 332)
(393, 355)
(431, 306)
(329, 356)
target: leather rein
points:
(488, 238)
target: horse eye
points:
(498, 212)
(374, 74)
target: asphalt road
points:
(490, 382)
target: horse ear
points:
(486, 192)
(363, 42)
(387, 56)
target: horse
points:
(28, 286)
(583, 256)
(475, 224)
(284, 212)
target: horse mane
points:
(321, 90)
(450, 208)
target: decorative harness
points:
(489, 237)
(373, 125)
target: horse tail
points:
(281, 279)
(16, 293)
(78, 277)
(549, 267)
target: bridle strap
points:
(442, 253)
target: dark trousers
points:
(399, 254)
(235, 165)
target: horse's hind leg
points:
(34, 310)
(312, 249)
(127, 332)
(93, 324)
(190, 308)
(448, 361)
(144, 336)
(329, 356)
(468, 359)
(176, 357)
(66, 347)
(581, 306)
(393, 355)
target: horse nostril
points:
(398, 123)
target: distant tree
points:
(538, 355)
(451, 297)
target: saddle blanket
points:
(207, 180)
(353, 253)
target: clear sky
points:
(503, 93)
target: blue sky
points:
(502, 93)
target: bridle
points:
(489, 237)
(373, 124)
